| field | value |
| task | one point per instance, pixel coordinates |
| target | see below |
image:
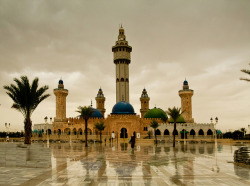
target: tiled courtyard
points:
(115, 164)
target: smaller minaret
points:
(186, 102)
(100, 100)
(144, 102)
(61, 95)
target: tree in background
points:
(174, 113)
(100, 126)
(85, 113)
(154, 124)
(247, 72)
(26, 98)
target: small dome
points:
(156, 113)
(179, 120)
(185, 82)
(60, 81)
(218, 132)
(123, 107)
(97, 114)
(100, 89)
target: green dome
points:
(156, 113)
(179, 120)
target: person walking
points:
(133, 141)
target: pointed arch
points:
(201, 132)
(176, 132)
(157, 132)
(192, 132)
(166, 132)
(209, 132)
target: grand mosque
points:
(123, 121)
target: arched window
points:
(176, 132)
(201, 132)
(89, 131)
(126, 79)
(166, 132)
(117, 80)
(192, 132)
(80, 131)
(74, 131)
(122, 79)
(209, 132)
(157, 132)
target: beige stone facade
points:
(186, 102)
(124, 125)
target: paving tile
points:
(114, 165)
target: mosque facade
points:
(123, 121)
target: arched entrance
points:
(209, 132)
(157, 132)
(166, 132)
(201, 132)
(192, 133)
(59, 132)
(124, 133)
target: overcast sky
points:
(205, 41)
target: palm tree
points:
(247, 72)
(26, 98)
(174, 113)
(85, 113)
(100, 126)
(243, 130)
(154, 124)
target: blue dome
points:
(185, 82)
(60, 81)
(97, 114)
(123, 107)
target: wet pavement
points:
(148, 164)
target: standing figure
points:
(113, 136)
(133, 141)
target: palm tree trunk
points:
(100, 136)
(174, 134)
(27, 128)
(86, 133)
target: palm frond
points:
(247, 72)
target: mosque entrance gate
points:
(124, 133)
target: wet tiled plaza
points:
(148, 164)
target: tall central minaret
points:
(121, 52)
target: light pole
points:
(46, 122)
(215, 139)
(70, 132)
(8, 131)
(51, 133)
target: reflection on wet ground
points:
(117, 164)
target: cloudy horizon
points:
(205, 41)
